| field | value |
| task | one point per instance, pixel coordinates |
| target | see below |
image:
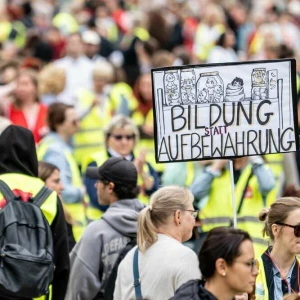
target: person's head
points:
(143, 88)
(63, 119)
(103, 74)
(116, 180)
(17, 148)
(91, 41)
(227, 255)
(170, 211)
(50, 174)
(226, 39)
(121, 135)
(285, 211)
(52, 80)
(74, 46)
(9, 71)
(26, 90)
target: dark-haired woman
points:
(279, 273)
(227, 265)
(50, 174)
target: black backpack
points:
(109, 284)
(26, 247)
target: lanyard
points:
(284, 279)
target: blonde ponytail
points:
(146, 235)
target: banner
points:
(225, 110)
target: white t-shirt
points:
(79, 74)
(163, 268)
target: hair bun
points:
(263, 214)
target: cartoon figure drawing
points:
(172, 89)
(235, 90)
(259, 77)
(187, 91)
(218, 95)
(202, 96)
(210, 84)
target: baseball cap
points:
(116, 169)
(91, 37)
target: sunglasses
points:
(296, 228)
(119, 137)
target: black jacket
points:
(18, 155)
(193, 290)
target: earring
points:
(224, 274)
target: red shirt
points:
(17, 117)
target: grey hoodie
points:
(103, 239)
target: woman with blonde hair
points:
(52, 81)
(279, 271)
(164, 263)
(121, 137)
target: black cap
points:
(116, 169)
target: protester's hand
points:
(218, 165)
(149, 130)
(140, 161)
(96, 102)
(243, 296)
(256, 159)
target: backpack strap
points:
(41, 196)
(136, 275)
(6, 191)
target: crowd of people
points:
(75, 84)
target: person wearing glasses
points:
(227, 265)
(279, 273)
(164, 262)
(54, 148)
(121, 137)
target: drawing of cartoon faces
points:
(211, 82)
(237, 82)
(174, 95)
(219, 90)
(259, 77)
(170, 77)
(202, 96)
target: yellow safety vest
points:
(100, 158)
(275, 162)
(147, 144)
(261, 287)
(6, 29)
(90, 138)
(203, 50)
(33, 185)
(76, 210)
(218, 209)
(65, 22)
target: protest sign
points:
(225, 110)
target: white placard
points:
(225, 110)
